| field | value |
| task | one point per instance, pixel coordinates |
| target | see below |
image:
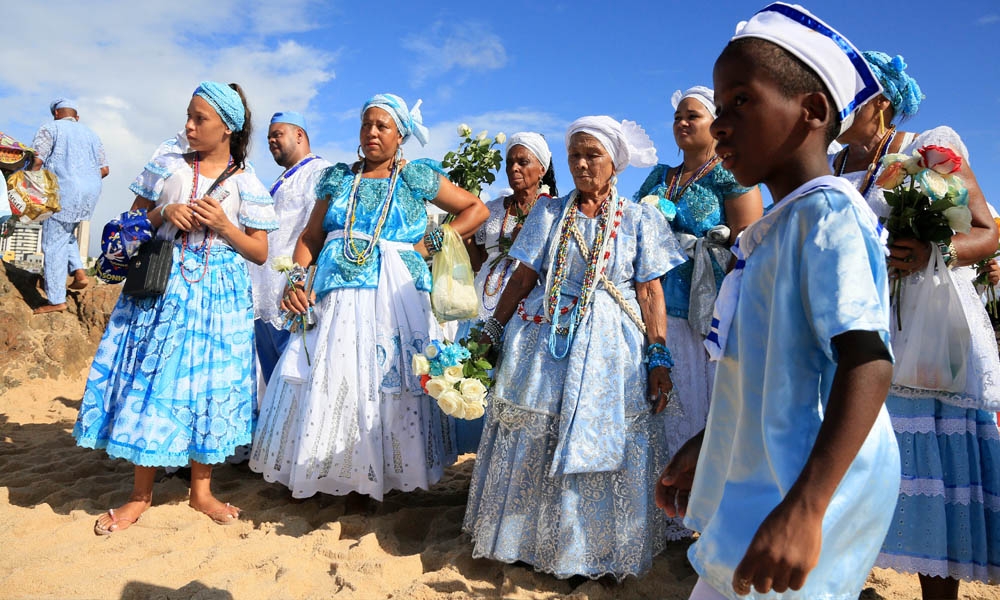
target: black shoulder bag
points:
(149, 269)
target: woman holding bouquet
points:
(173, 380)
(947, 522)
(344, 411)
(707, 209)
(530, 175)
(572, 440)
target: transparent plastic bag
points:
(932, 348)
(453, 292)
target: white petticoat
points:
(356, 419)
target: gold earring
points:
(881, 122)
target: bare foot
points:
(78, 283)
(49, 308)
(222, 513)
(121, 518)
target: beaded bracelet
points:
(493, 329)
(433, 240)
(658, 355)
(163, 213)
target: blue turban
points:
(901, 89)
(408, 122)
(290, 117)
(225, 101)
(61, 103)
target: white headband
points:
(700, 93)
(535, 144)
(823, 49)
(626, 142)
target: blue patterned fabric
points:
(407, 221)
(816, 273)
(62, 256)
(174, 379)
(701, 208)
(947, 519)
(588, 510)
(901, 89)
(75, 155)
(225, 100)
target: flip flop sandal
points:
(114, 526)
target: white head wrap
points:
(626, 142)
(535, 144)
(834, 59)
(700, 93)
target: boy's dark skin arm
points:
(787, 544)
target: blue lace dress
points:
(343, 411)
(699, 209)
(173, 379)
(565, 469)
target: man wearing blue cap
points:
(75, 155)
(294, 194)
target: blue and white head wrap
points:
(409, 122)
(834, 59)
(290, 117)
(901, 89)
(61, 103)
(225, 101)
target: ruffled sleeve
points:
(256, 205)
(940, 136)
(656, 177)
(149, 183)
(657, 250)
(423, 179)
(332, 180)
(726, 184)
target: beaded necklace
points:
(208, 240)
(490, 294)
(596, 263)
(351, 252)
(673, 194)
(883, 148)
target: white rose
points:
(450, 402)
(651, 199)
(282, 263)
(474, 410)
(472, 390)
(452, 374)
(436, 386)
(431, 351)
(482, 135)
(959, 218)
(501, 138)
(464, 130)
(420, 365)
(912, 164)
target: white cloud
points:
(465, 47)
(133, 66)
(989, 19)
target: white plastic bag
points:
(932, 348)
(453, 292)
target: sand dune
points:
(409, 546)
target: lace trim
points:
(940, 426)
(956, 495)
(960, 400)
(265, 225)
(256, 199)
(143, 192)
(939, 568)
(539, 423)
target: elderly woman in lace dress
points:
(573, 438)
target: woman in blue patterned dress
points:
(572, 442)
(707, 209)
(947, 522)
(343, 411)
(173, 380)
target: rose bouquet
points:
(456, 375)
(296, 323)
(983, 280)
(927, 201)
(476, 161)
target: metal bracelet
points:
(493, 329)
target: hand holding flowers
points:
(456, 375)
(476, 161)
(987, 276)
(296, 321)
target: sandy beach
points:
(410, 546)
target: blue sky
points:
(504, 66)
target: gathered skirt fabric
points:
(947, 519)
(173, 379)
(352, 417)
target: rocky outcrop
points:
(48, 346)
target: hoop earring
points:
(360, 156)
(881, 123)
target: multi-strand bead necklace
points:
(208, 240)
(351, 251)
(673, 193)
